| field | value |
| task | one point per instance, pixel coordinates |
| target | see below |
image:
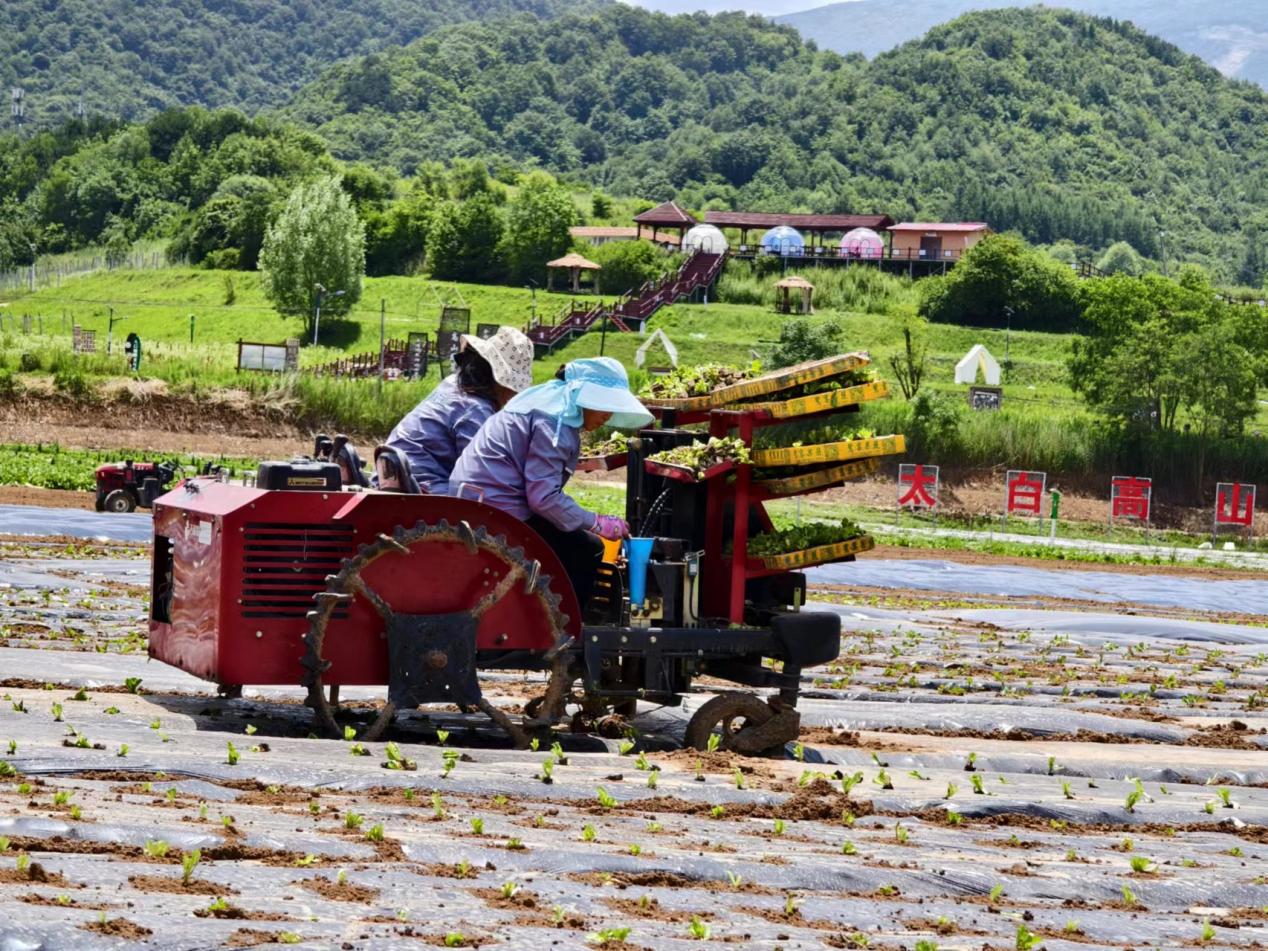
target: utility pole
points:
(110, 330)
(321, 294)
(382, 344)
(32, 244)
(191, 328)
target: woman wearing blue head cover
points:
(523, 456)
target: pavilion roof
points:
(572, 260)
(796, 281)
(666, 213)
(760, 219)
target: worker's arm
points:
(547, 467)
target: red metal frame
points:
(246, 563)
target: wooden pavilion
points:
(787, 303)
(574, 264)
(666, 216)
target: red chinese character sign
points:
(917, 486)
(1234, 505)
(1024, 493)
(1130, 497)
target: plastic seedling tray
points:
(602, 463)
(685, 473)
(820, 555)
(846, 451)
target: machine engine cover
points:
(299, 475)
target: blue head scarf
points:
(595, 383)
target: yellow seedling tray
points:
(818, 556)
(809, 372)
(823, 402)
(822, 479)
(830, 452)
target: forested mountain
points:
(1054, 123)
(1229, 36)
(130, 58)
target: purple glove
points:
(610, 527)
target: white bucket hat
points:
(509, 353)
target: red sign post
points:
(1130, 497)
(1235, 506)
(917, 487)
(1024, 493)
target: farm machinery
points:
(127, 486)
(305, 579)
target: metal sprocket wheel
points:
(744, 724)
(343, 587)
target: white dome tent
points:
(706, 239)
(863, 243)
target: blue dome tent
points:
(783, 240)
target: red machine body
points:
(236, 569)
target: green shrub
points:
(28, 362)
(10, 387)
(72, 382)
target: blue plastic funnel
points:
(638, 551)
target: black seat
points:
(351, 469)
(394, 475)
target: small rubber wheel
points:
(119, 501)
(726, 715)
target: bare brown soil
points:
(118, 928)
(250, 938)
(160, 883)
(345, 891)
(227, 424)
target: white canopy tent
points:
(977, 359)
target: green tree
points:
(628, 264)
(396, 239)
(537, 221)
(801, 340)
(464, 240)
(317, 239)
(999, 275)
(1121, 258)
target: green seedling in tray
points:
(802, 537)
(700, 457)
(687, 382)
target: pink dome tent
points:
(863, 243)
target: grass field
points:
(1043, 425)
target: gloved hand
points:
(611, 527)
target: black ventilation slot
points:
(285, 563)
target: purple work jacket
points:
(435, 432)
(514, 464)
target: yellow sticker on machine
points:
(821, 555)
(822, 402)
(831, 452)
(821, 479)
(809, 372)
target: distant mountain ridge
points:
(127, 59)
(1231, 37)
(1054, 123)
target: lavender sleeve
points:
(547, 467)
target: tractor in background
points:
(127, 486)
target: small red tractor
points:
(127, 486)
(309, 578)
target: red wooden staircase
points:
(634, 309)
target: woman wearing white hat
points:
(437, 430)
(521, 461)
